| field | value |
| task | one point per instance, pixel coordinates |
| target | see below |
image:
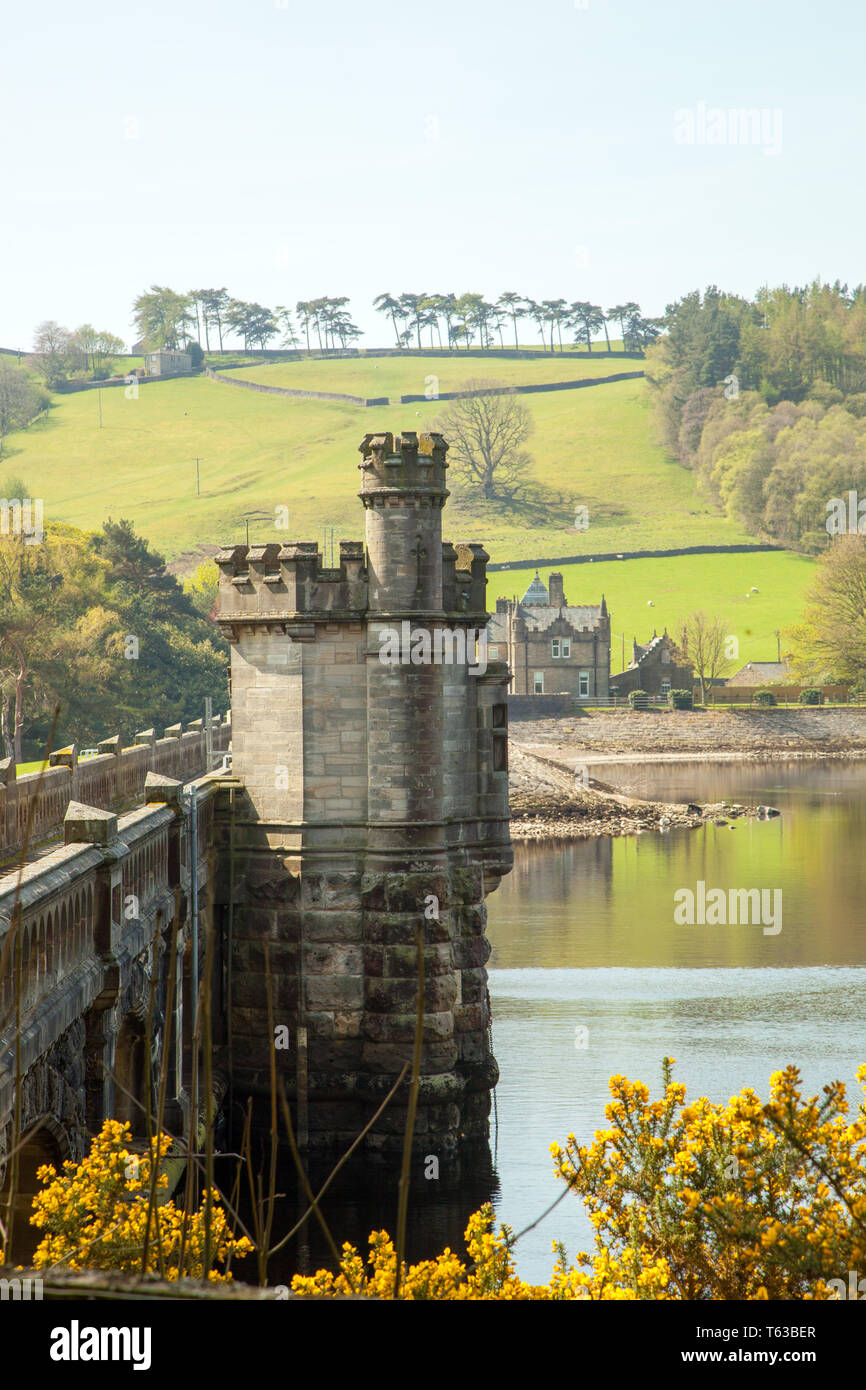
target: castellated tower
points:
(369, 795)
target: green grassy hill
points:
(411, 376)
(595, 447)
(257, 452)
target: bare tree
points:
(54, 351)
(704, 642)
(486, 425)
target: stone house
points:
(657, 666)
(551, 646)
(167, 362)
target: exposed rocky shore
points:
(550, 802)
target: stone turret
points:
(403, 491)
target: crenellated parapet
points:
(271, 586)
(406, 463)
(471, 574)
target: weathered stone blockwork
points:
(368, 797)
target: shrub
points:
(744, 1200)
(811, 697)
(764, 697)
(99, 1213)
(637, 699)
(680, 699)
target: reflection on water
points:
(584, 939)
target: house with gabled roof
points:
(552, 647)
(657, 666)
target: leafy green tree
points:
(588, 318)
(252, 322)
(393, 308)
(54, 630)
(557, 314)
(514, 305)
(214, 303)
(540, 315)
(22, 398)
(162, 317)
(412, 306)
(179, 656)
(829, 645)
(622, 314)
(290, 338)
(98, 348)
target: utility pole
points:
(254, 516)
(328, 541)
(197, 489)
(99, 399)
(778, 636)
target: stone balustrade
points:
(113, 780)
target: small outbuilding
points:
(167, 362)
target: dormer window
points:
(554, 647)
(566, 646)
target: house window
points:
(665, 657)
(666, 687)
(493, 653)
(566, 646)
(583, 684)
(538, 682)
(554, 647)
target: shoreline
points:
(551, 800)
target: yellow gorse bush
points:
(489, 1275)
(740, 1201)
(95, 1214)
(744, 1200)
(706, 1201)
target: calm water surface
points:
(584, 938)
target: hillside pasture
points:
(415, 376)
(593, 448)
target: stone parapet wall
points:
(113, 780)
(81, 933)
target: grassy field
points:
(594, 447)
(677, 586)
(411, 376)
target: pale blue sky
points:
(288, 150)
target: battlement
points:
(409, 463)
(276, 584)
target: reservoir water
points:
(590, 974)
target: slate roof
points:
(760, 673)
